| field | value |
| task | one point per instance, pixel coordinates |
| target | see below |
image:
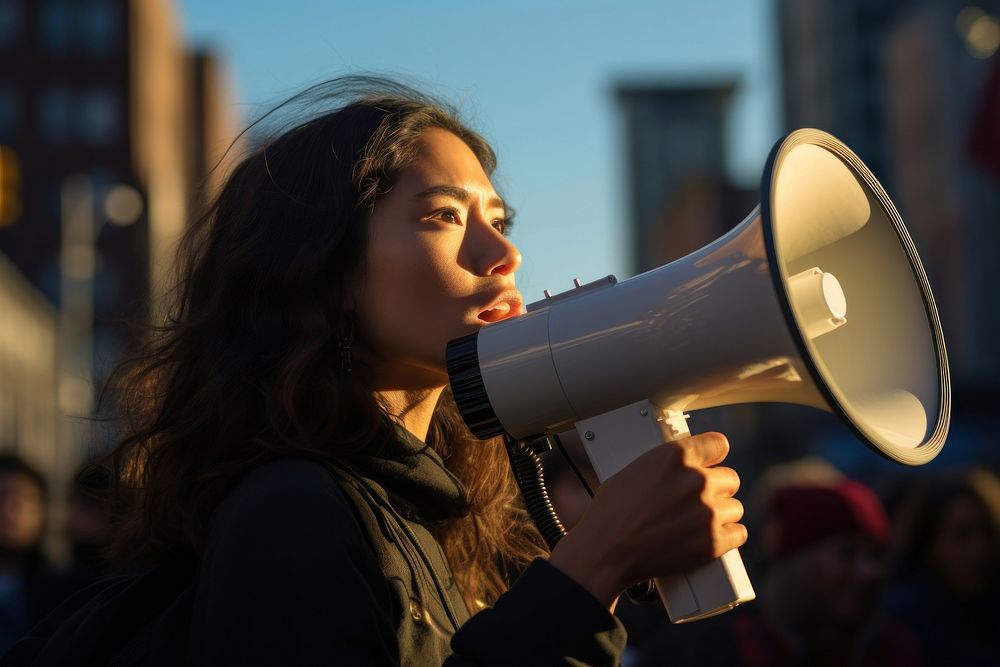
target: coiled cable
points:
(530, 478)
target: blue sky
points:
(536, 78)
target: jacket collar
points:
(413, 473)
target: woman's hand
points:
(663, 514)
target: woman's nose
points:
(495, 253)
(508, 259)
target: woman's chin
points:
(413, 377)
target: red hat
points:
(803, 515)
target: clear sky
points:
(535, 77)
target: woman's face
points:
(438, 265)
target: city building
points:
(27, 370)
(831, 62)
(900, 82)
(937, 76)
(914, 89)
(675, 184)
(110, 127)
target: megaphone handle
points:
(615, 439)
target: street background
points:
(629, 134)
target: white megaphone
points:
(817, 298)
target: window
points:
(99, 26)
(56, 114)
(8, 113)
(57, 25)
(10, 23)
(93, 116)
(93, 26)
(98, 116)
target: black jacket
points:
(307, 564)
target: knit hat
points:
(804, 515)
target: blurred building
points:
(831, 54)
(939, 61)
(905, 84)
(27, 370)
(28, 380)
(111, 125)
(214, 125)
(676, 187)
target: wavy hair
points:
(246, 366)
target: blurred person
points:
(826, 549)
(87, 529)
(949, 568)
(304, 483)
(805, 471)
(821, 602)
(23, 511)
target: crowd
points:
(30, 585)
(843, 576)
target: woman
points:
(292, 432)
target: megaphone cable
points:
(530, 478)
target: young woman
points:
(292, 434)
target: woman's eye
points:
(500, 225)
(447, 215)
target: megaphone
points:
(817, 298)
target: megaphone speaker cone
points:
(885, 370)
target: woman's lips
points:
(506, 306)
(496, 313)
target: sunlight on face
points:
(438, 265)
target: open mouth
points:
(497, 312)
(507, 304)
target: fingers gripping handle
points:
(716, 586)
(615, 439)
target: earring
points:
(345, 346)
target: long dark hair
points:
(246, 366)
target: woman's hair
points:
(247, 366)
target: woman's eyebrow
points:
(461, 194)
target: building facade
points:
(901, 82)
(675, 183)
(108, 120)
